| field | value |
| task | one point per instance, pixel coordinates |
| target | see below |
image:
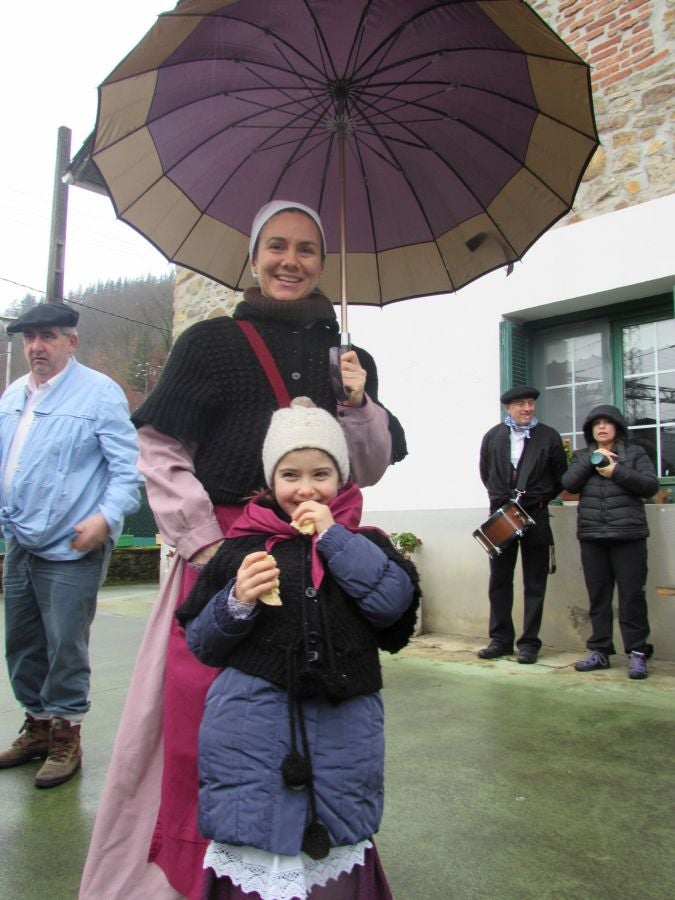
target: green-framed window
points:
(623, 355)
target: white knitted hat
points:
(273, 208)
(300, 427)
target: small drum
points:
(505, 525)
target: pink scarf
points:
(346, 508)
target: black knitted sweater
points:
(213, 391)
(316, 643)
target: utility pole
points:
(57, 237)
(7, 320)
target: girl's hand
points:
(317, 513)
(353, 378)
(257, 574)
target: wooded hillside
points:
(124, 331)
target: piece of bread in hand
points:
(271, 598)
(307, 528)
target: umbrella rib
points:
(394, 162)
(359, 32)
(387, 146)
(264, 109)
(435, 114)
(468, 86)
(321, 42)
(386, 44)
(360, 163)
(255, 25)
(292, 159)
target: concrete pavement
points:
(503, 781)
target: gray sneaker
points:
(594, 660)
(637, 665)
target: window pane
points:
(575, 371)
(558, 367)
(668, 450)
(647, 438)
(587, 357)
(640, 400)
(559, 409)
(667, 397)
(587, 396)
(638, 349)
(665, 332)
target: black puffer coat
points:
(611, 508)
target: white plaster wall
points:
(438, 357)
(438, 361)
(454, 572)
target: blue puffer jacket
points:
(244, 736)
(611, 508)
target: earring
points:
(255, 276)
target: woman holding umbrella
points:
(201, 434)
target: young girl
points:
(293, 607)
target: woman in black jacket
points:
(612, 475)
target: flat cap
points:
(523, 392)
(45, 314)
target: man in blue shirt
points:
(68, 477)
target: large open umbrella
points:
(438, 140)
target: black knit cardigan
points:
(329, 624)
(214, 392)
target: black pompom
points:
(308, 684)
(337, 686)
(315, 842)
(296, 770)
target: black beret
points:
(45, 314)
(519, 393)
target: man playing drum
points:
(521, 456)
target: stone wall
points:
(629, 45)
(133, 565)
(196, 298)
(136, 565)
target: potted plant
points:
(566, 496)
(406, 543)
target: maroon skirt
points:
(366, 882)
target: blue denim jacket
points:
(79, 459)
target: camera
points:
(599, 460)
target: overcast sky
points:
(53, 58)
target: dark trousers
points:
(624, 563)
(535, 560)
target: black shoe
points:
(494, 651)
(527, 656)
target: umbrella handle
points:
(335, 370)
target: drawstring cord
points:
(296, 767)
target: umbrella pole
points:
(345, 342)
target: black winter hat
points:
(523, 392)
(44, 315)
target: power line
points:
(104, 312)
